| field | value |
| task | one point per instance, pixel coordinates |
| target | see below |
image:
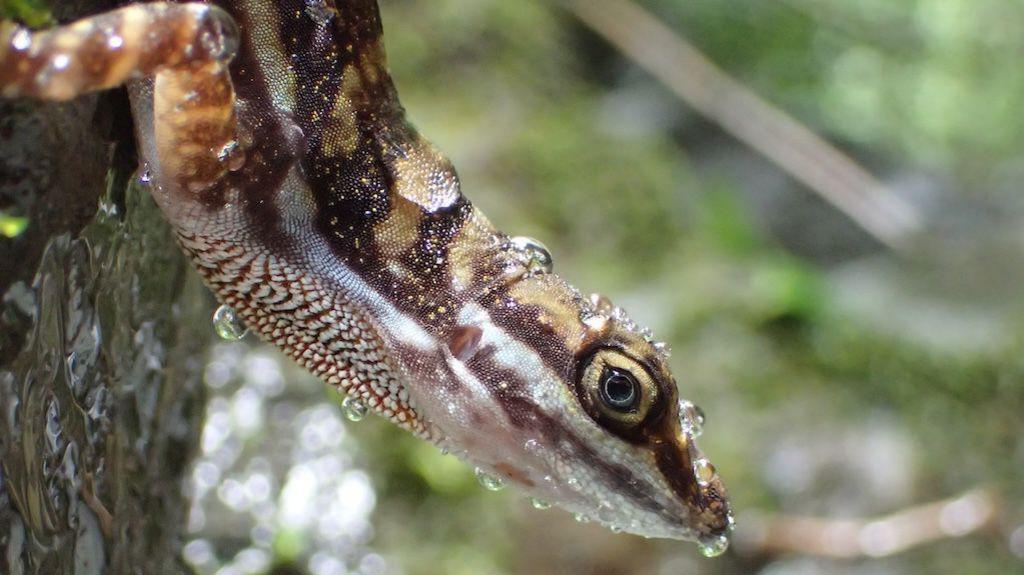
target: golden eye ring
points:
(616, 390)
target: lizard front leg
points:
(226, 170)
(186, 47)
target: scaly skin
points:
(276, 146)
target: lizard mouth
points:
(697, 485)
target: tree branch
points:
(968, 513)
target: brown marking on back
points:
(558, 312)
(342, 135)
(420, 173)
(398, 231)
(474, 259)
(261, 21)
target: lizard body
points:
(273, 140)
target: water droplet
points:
(226, 150)
(594, 322)
(219, 41)
(488, 481)
(714, 546)
(602, 305)
(114, 42)
(704, 471)
(319, 12)
(145, 177)
(353, 408)
(533, 254)
(692, 418)
(227, 325)
(232, 155)
(539, 504)
(663, 348)
(623, 319)
(580, 518)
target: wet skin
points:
(272, 139)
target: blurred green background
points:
(841, 380)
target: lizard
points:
(272, 139)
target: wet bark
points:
(101, 335)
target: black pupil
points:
(619, 389)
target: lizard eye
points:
(616, 390)
(619, 390)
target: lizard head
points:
(566, 398)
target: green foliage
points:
(33, 13)
(12, 226)
(934, 82)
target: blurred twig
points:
(969, 513)
(783, 140)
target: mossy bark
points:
(100, 343)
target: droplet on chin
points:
(488, 481)
(539, 504)
(228, 325)
(714, 546)
(353, 408)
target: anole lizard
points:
(273, 141)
